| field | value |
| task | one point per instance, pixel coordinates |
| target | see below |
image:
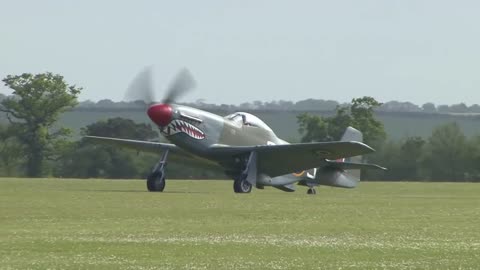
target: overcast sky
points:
(240, 51)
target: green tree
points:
(410, 158)
(389, 156)
(359, 114)
(11, 152)
(33, 109)
(313, 128)
(85, 159)
(446, 155)
(363, 118)
(403, 159)
(121, 128)
(429, 107)
(473, 159)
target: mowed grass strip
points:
(116, 224)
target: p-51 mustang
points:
(242, 145)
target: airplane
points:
(240, 144)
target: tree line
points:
(284, 105)
(33, 145)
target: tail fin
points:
(352, 134)
(344, 172)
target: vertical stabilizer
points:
(352, 134)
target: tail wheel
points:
(241, 186)
(156, 182)
(311, 191)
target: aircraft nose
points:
(161, 114)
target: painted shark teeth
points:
(177, 126)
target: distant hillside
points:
(400, 118)
(302, 105)
(284, 123)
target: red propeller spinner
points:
(161, 114)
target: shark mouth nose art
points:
(179, 126)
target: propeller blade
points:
(181, 84)
(141, 87)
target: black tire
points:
(241, 186)
(156, 182)
(311, 191)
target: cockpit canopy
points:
(248, 119)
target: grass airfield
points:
(104, 224)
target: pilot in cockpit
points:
(245, 122)
(238, 117)
(247, 119)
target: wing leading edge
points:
(353, 165)
(144, 146)
(176, 154)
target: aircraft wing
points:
(176, 154)
(144, 146)
(353, 165)
(276, 160)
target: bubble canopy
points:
(248, 120)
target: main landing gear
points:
(156, 179)
(248, 177)
(241, 185)
(311, 191)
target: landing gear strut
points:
(311, 191)
(156, 179)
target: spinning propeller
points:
(142, 89)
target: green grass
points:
(101, 224)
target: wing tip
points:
(99, 137)
(364, 146)
(382, 168)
